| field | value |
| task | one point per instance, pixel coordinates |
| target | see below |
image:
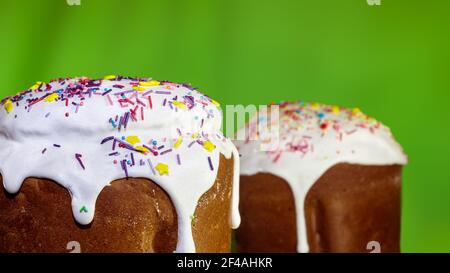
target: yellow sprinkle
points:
(142, 149)
(179, 104)
(178, 142)
(110, 77)
(335, 109)
(52, 97)
(132, 139)
(209, 146)
(163, 169)
(216, 103)
(150, 83)
(8, 106)
(315, 106)
(138, 88)
(355, 111)
(36, 86)
(195, 135)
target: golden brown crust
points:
(267, 215)
(349, 206)
(132, 215)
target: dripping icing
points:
(85, 133)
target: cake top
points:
(309, 138)
(124, 99)
(301, 126)
(85, 133)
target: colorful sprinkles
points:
(135, 98)
(299, 122)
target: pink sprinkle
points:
(142, 113)
(123, 104)
(109, 99)
(277, 157)
(150, 102)
(129, 101)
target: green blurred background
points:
(392, 61)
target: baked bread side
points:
(346, 209)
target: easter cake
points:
(328, 181)
(117, 164)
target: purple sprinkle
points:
(164, 102)
(179, 131)
(127, 116)
(78, 157)
(106, 92)
(160, 147)
(114, 154)
(140, 102)
(147, 93)
(43, 151)
(124, 167)
(151, 166)
(178, 159)
(123, 92)
(162, 92)
(210, 163)
(141, 162)
(190, 144)
(132, 159)
(120, 123)
(107, 139)
(57, 145)
(126, 145)
(166, 151)
(48, 114)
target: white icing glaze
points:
(313, 138)
(82, 117)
